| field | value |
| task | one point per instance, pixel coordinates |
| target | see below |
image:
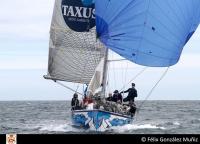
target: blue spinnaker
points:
(147, 32)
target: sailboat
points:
(146, 32)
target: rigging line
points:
(108, 78)
(125, 76)
(113, 67)
(78, 86)
(67, 87)
(134, 78)
(83, 91)
(151, 91)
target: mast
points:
(105, 70)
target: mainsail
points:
(74, 51)
(147, 32)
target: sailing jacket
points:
(74, 102)
(132, 93)
(116, 97)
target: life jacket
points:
(87, 100)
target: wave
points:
(130, 127)
(68, 127)
(176, 123)
(58, 127)
(195, 121)
(172, 123)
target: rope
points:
(114, 72)
(77, 87)
(125, 75)
(83, 91)
(125, 78)
(68, 87)
(108, 79)
(151, 91)
(134, 78)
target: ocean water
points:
(54, 117)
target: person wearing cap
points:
(75, 102)
(117, 96)
(109, 98)
(132, 93)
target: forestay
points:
(147, 32)
(74, 51)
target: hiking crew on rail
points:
(112, 103)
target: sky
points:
(24, 40)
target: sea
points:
(54, 117)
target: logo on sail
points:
(79, 15)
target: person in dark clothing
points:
(132, 93)
(117, 96)
(132, 109)
(109, 98)
(75, 102)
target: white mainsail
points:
(73, 56)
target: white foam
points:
(57, 128)
(176, 123)
(68, 127)
(136, 127)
